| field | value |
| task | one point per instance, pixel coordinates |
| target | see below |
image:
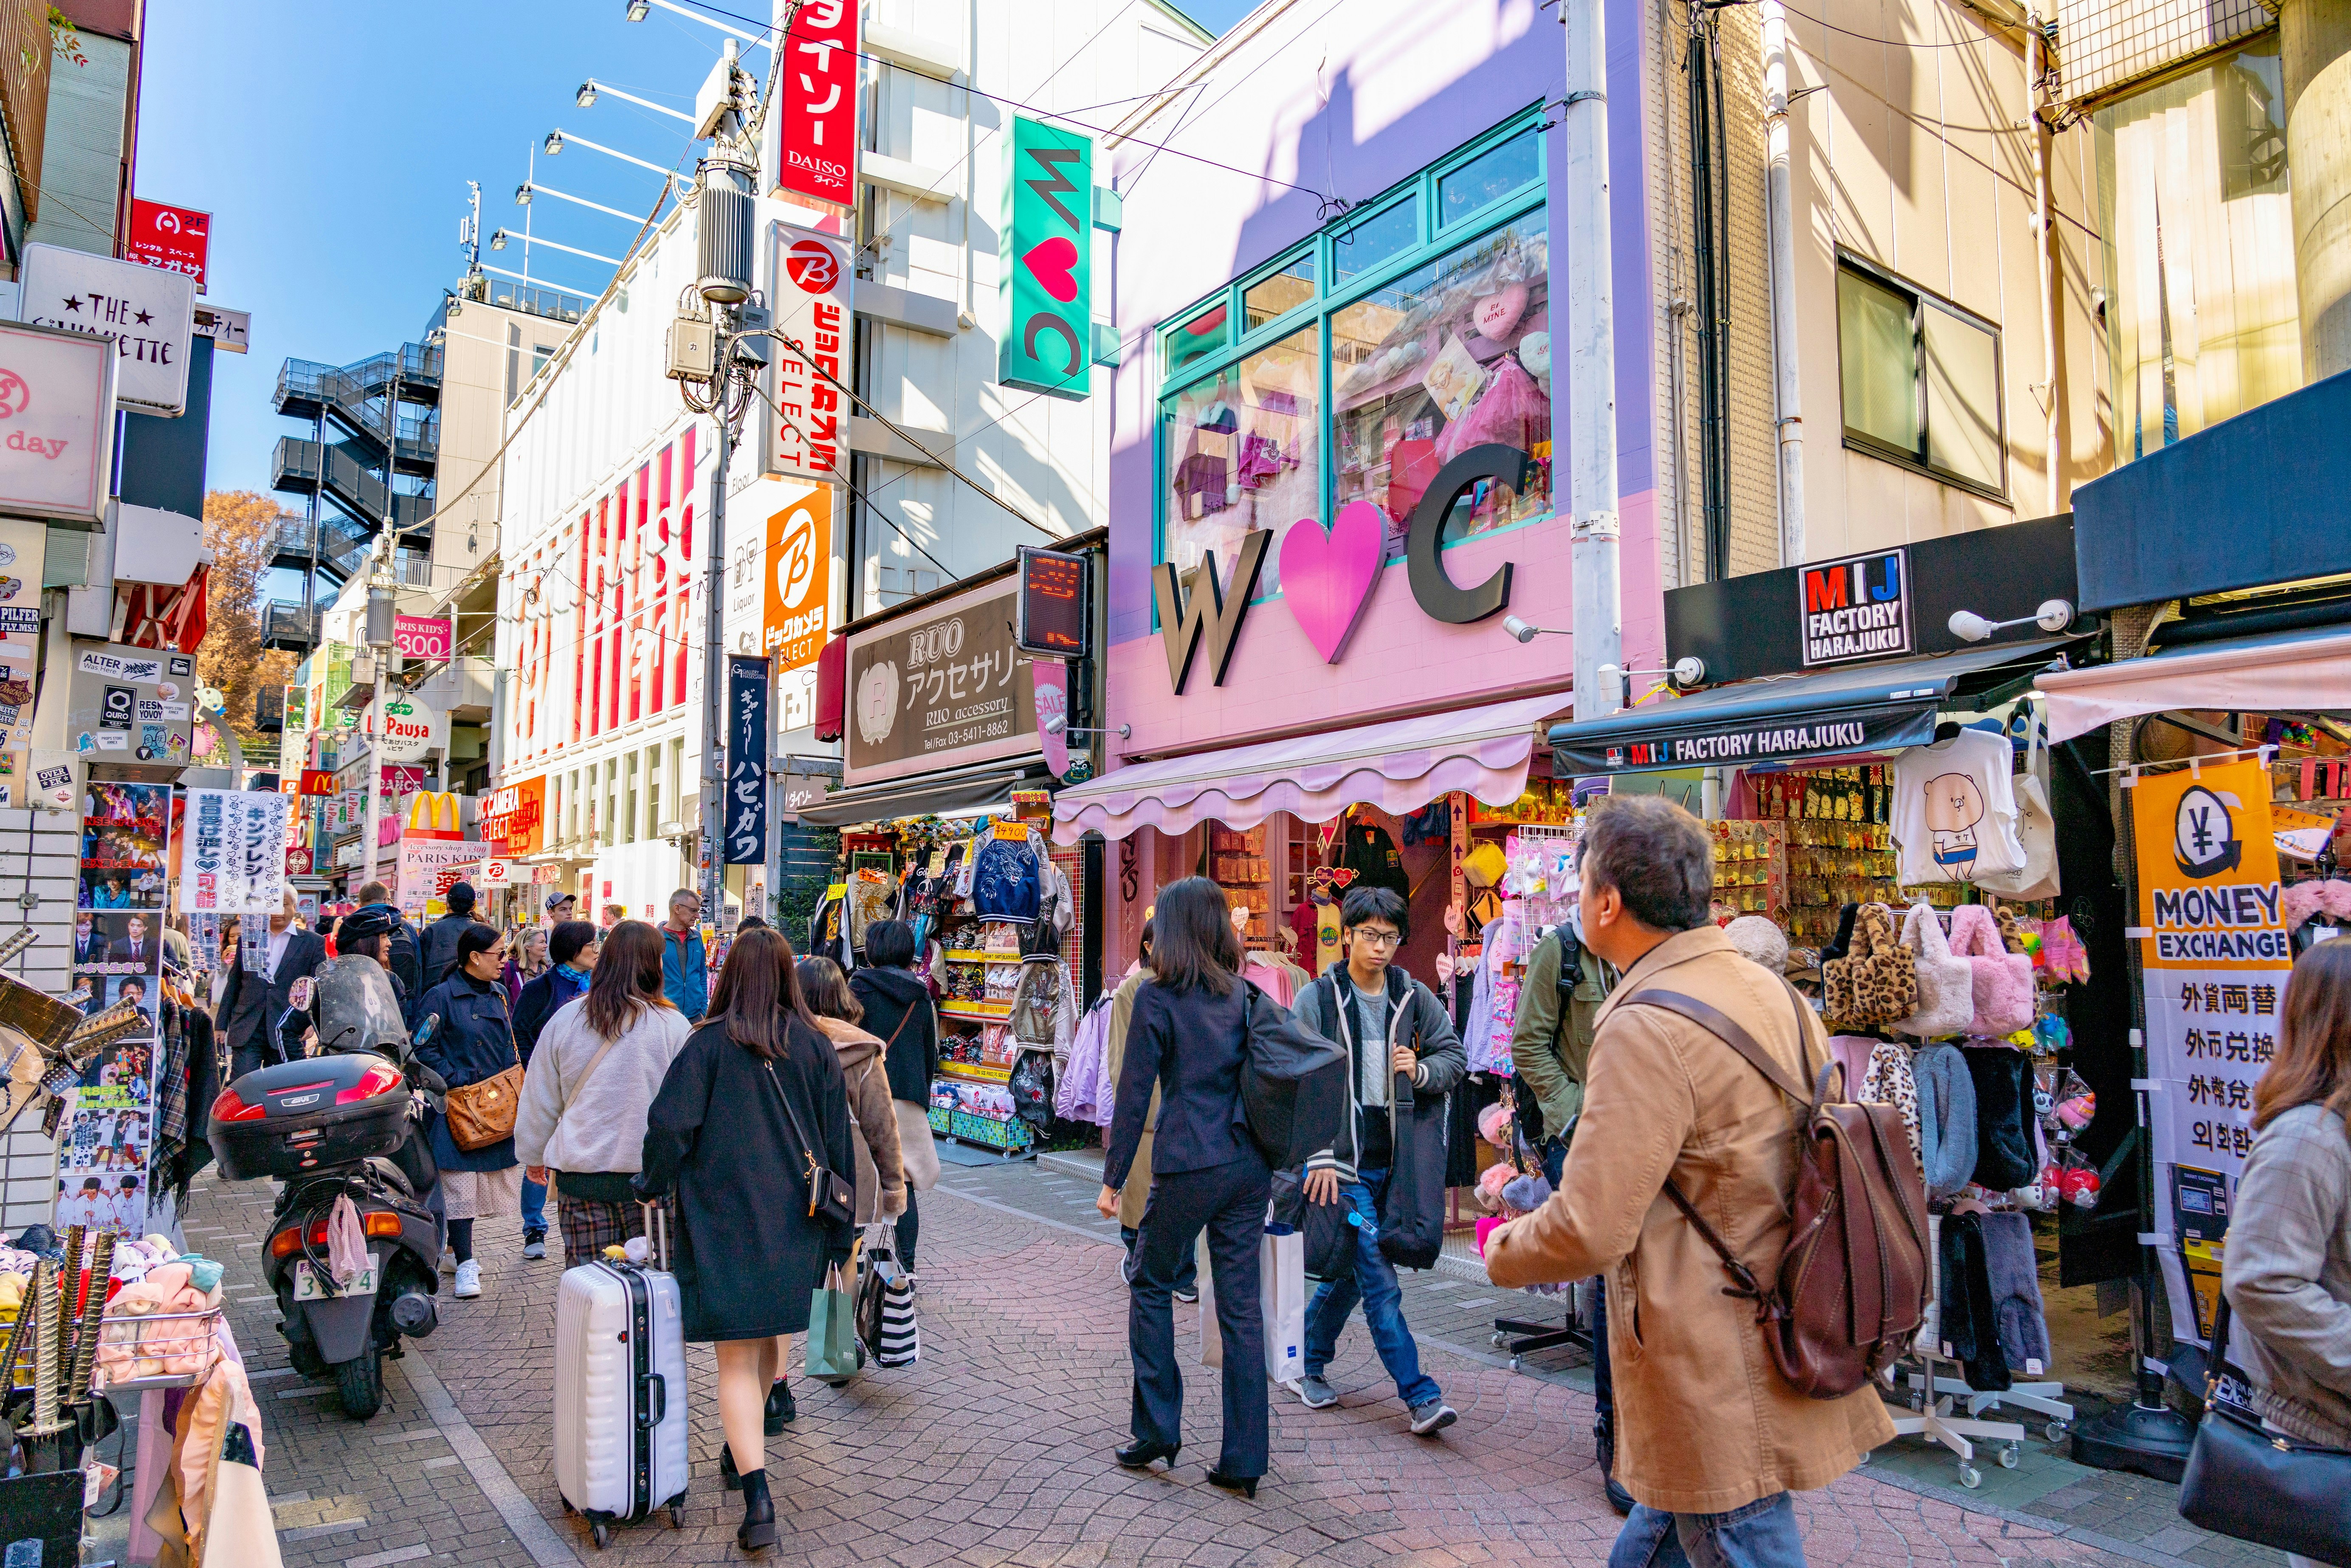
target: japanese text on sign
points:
(745, 825)
(815, 149)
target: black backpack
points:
(1293, 1083)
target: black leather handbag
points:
(2245, 1482)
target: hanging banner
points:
(234, 861)
(2214, 956)
(813, 152)
(745, 826)
(1046, 344)
(798, 580)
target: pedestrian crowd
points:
(1652, 1060)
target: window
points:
(1196, 340)
(1278, 292)
(629, 802)
(1430, 365)
(1489, 176)
(1921, 379)
(1243, 453)
(1370, 245)
(2196, 208)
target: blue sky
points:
(332, 142)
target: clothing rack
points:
(1522, 1337)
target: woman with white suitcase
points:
(750, 1130)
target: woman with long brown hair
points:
(751, 1124)
(2288, 1269)
(599, 1062)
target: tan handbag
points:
(2036, 828)
(480, 1115)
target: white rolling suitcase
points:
(620, 1389)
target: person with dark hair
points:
(1137, 1191)
(440, 944)
(753, 1102)
(2288, 1272)
(258, 1000)
(1666, 1099)
(601, 1061)
(473, 1043)
(404, 962)
(899, 1012)
(881, 1172)
(1189, 1035)
(1404, 1058)
(572, 954)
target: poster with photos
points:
(105, 1140)
(120, 957)
(125, 846)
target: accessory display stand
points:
(1522, 1337)
(2040, 1398)
(1934, 1419)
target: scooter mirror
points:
(300, 993)
(424, 1078)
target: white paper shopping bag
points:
(1282, 1296)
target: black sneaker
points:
(1188, 1297)
(534, 1244)
(781, 1408)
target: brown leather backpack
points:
(1850, 1288)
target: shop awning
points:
(1791, 718)
(961, 789)
(2284, 671)
(1399, 766)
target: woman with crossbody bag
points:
(900, 1011)
(472, 1132)
(599, 1062)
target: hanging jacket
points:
(1004, 882)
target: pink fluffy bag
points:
(2002, 981)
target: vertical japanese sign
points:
(1045, 254)
(815, 149)
(808, 424)
(234, 861)
(799, 586)
(2214, 957)
(745, 826)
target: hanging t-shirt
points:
(1955, 810)
(1374, 859)
(1328, 948)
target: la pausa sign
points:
(1327, 576)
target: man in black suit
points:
(134, 947)
(89, 942)
(254, 1008)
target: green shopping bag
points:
(834, 1350)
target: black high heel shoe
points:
(728, 1476)
(757, 1531)
(1138, 1456)
(1245, 1485)
(781, 1408)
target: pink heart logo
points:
(1052, 263)
(1328, 578)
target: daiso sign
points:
(57, 423)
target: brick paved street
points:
(995, 1448)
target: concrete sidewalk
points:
(994, 1450)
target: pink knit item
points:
(1513, 412)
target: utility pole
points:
(379, 641)
(1781, 201)
(723, 225)
(1592, 367)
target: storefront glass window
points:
(1446, 358)
(1489, 176)
(1243, 452)
(2194, 203)
(1376, 240)
(1197, 338)
(1278, 292)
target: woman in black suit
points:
(1186, 1035)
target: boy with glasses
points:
(1392, 1026)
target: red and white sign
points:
(515, 816)
(416, 637)
(497, 874)
(176, 239)
(808, 425)
(814, 153)
(57, 422)
(298, 862)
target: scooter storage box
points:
(302, 1117)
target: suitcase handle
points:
(657, 1233)
(655, 1409)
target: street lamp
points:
(591, 90)
(637, 9)
(498, 240)
(557, 139)
(587, 95)
(2053, 615)
(530, 188)
(554, 142)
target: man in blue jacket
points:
(682, 981)
(1392, 1026)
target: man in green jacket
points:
(1550, 1046)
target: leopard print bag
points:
(1875, 984)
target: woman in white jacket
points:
(599, 1061)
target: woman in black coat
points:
(473, 1043)
(898, 1011)
(725, 1133)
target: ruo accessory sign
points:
(1047, 251)
(2214, 956)
(808, 428)
(939, 690)
(745, 828)
(235, 859)
(814, 151)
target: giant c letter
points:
(1438, 596)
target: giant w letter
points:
(1219, 613)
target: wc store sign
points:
(1047, 251)
(1858, 608)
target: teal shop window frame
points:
(1436, 240)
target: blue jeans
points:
(534, 1207)
(1373, 1283)
(1763, 1534)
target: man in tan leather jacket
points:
(1710, 1438)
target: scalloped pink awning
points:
(1399, 766)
